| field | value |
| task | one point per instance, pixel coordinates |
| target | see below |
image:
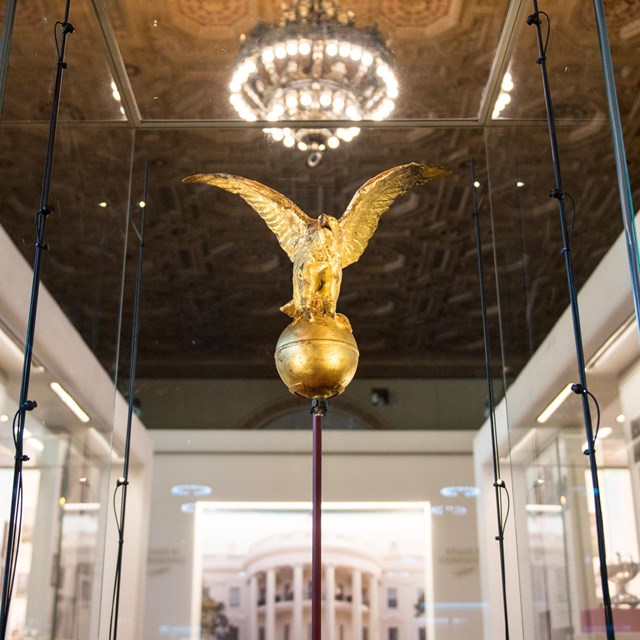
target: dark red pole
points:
(318, 409)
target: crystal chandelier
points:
(316, 65)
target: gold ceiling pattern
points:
(430, 17)
(212, 13)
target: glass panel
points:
(230, 441)
(86, 231)
(67, 516)
(554, 583)
(575, 71)
(87, 94)
(226, 277)
(180, 56)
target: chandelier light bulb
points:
(325, 99)
(304, 48)
(332, 49)
(507, 82)
(338, 104)
(316, 65)
(268, 55)
(352, 112)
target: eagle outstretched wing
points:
(282, 216)
(360, 219)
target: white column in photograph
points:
(330, 600)
(270, 623)
(356, 604)
(374, 608)
(297, 603)
(253, 608)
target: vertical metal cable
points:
(582, 388)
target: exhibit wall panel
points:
(198, 475)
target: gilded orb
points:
(317, 358)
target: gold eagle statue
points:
(321, 248)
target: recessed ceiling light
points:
(4, 418)
(103, 204)
(519, 184)
(191, 490)
(619, 418)
(188, 507)
(476, 184)
(463, 490)
(142, 204)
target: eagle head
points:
(326, 221)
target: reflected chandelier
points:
(315, 65)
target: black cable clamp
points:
(578, 389)
(556, 193)
(23, 458)
(121, 482)
(67, 27)
(500, 484)
(534, 18)
(29, 405)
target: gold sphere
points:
(318, 358)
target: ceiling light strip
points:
(555, 404)
(16, 346)
(620, 334)
(69, 401)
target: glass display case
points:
(218, 524)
